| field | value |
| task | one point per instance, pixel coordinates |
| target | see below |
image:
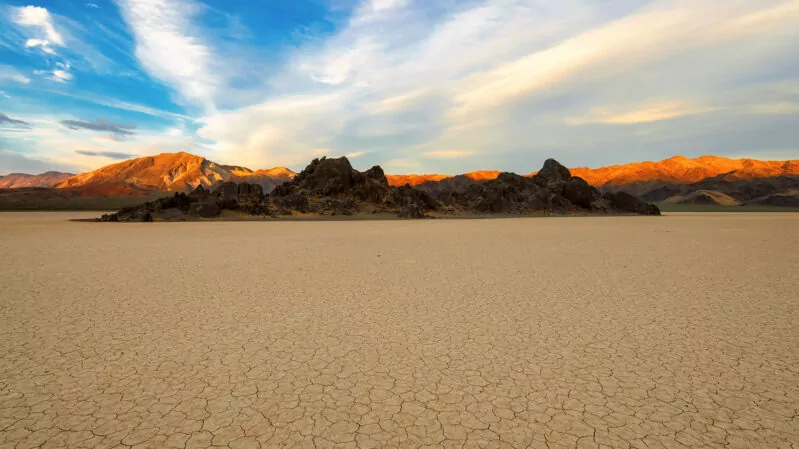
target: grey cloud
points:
(101, 125)
(6, 120)
(13, 162)
(111, 154)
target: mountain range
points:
(19, 180)
(706, 179)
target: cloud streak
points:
(6, 120)
(9, 73)
(170, 47)
(108, 154)
(101, 125)
(644, 114)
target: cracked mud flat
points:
(644, 332)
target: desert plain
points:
(680, 331)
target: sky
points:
(416, 86)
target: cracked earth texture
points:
(632, 332)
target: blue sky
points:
(442, 86)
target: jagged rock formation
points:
(200, 203)
(552, 189)
(333, 187)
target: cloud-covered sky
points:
(444, 86)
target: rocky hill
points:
(21, 180)
(333, 187)
(725, 190)
(168, 172)
(682, 170)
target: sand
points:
(644, 332)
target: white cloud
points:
(448, 154)
(43, 44)
(355, 154)
(443, 85)
(40, 19)
(500, 79)
(170, 47)
(62, 76)
(642, 114)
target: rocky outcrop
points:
(200, 203)
(333, 187)
(552, 189)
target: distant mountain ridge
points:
(676, 170)
(183, 172)
(682, 170)
(20, 180)
(415, 180)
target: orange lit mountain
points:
(675, 170)
(168, 172)
(682, 170)
(415, 180)
(20, 180)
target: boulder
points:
(579, 192)
(294, 201)
(624, 202)
(411, 211)
(206, 210)
(226, 191)
(376, 174)
(340, 206)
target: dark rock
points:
(249, 193)
(294, 201)
(226, 191)
(376, 174)
(624, 202)
(200, 194)
(338, 206)
(552, 172)
(580, 193)
(205, 210)
(509, 193)
(411, 211)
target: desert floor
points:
(644, 332)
